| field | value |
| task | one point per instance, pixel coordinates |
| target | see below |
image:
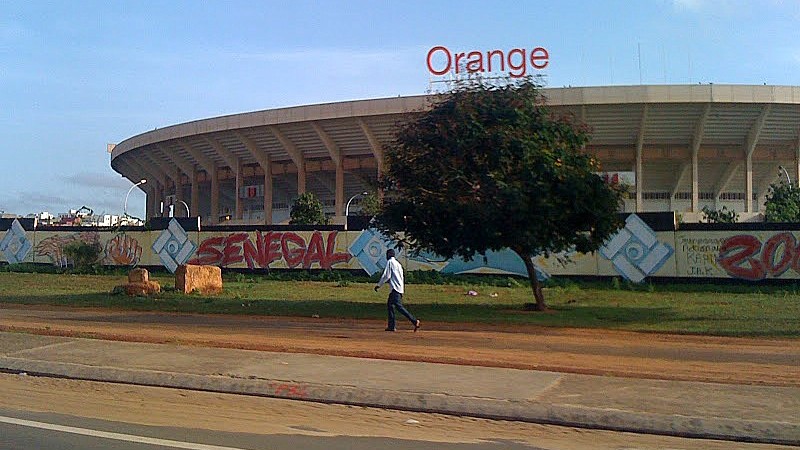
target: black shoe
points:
(391, 329)
(416, 326)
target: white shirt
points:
(393, 273)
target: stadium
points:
(682, 147)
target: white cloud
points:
(725, 7)
(97, 180)
(102, 192)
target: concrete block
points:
(138, 275)
(205, 279)
(142, 288)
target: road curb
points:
(766, 432)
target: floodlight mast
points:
(186, 206)
(125, 206)
(786, 174)
(347, 207)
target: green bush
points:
(30, 268)
(85, 256)
(307, 210)
(723, 215)
(783, 203)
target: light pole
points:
(347, 207)
(786, 174)
(125, 207)
(187, 207)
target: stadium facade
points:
(687, 146)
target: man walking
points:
(394, 275)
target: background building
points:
(688, 146)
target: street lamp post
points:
(347, 207)
(186, 206)
(125, 206)
(786, 174)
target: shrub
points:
(723, 215)
(307, 210)
(783, 203)
(85, 256)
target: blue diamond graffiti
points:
(15, 244)
(173, 246)
(635, 251)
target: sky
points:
(77, 75)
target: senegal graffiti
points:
(744, 256)
(270, 247)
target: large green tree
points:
(489, 167)
(782, 203)
(307, 210)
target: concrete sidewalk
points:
(689, 409)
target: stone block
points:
(205, 279)
(138, 275)
(142, 288)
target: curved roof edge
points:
(594, 95)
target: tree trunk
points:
(536, 287)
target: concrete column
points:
(268, 193)
(153, 200)
(339, 200)
(639, 180)
(165, 212)
(301, 178)
(160, 193)
(748, 182)
(179, 198)
(638, 168)
(214, 198)
(180, 210)
(797, 161)
(148, 204)
(695, 184)
(239, 209)
(195, 203)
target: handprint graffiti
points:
(123, 250)
(53, 247)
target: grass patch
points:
(713, 310)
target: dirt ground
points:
(587, 351)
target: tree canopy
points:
(307, 210)
(782, 203)
(489, 167)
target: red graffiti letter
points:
(272, 247)
(314, 252)
(232, 253)
(740, 249)
(253, 254)
(293, 256)
(207, 253)
(331, 257)
(770, 249)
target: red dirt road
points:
(588, 351)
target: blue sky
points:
(77, 75)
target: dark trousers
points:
(396, 301)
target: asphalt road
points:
(48, 432)
(47, 413)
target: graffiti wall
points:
(635, 253)
(272, 249)
(753, 256)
